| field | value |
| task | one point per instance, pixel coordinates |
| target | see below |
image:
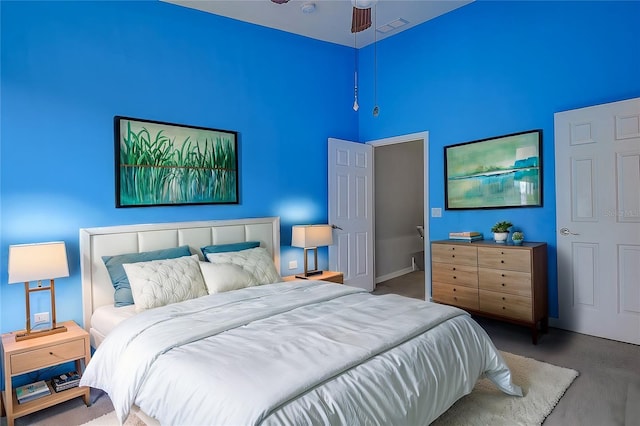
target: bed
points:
(300, 352)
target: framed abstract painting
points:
(166, 164)
(498, 172)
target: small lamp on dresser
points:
(37, 262)
(310, 237)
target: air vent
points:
(395, 24)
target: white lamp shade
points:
(309, 236)
(33, 262)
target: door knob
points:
(565, 232)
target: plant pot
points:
(517, 242)
(500, 237)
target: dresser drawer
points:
(452, 253)
(463, 297)
(499, 258)
(45, 357)
(505, 281)
(455, 274)
(506, 305)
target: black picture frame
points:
(166, 164)
(498, 172)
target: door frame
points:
(424, 136)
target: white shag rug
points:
(542, 384)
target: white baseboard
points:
(394, 274)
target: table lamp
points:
(310, 237)
(36, 262)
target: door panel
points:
(350, 173)
(597, 214)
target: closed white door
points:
(597, 153)
(350, 201)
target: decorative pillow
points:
(224, 248)
(122, 295)
(255, 261)
(161, 282)
(221, 277)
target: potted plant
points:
(501, 231)
(517, 238)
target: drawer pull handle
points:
(503, 298)
(454, 289)
(502, 261)
(50, 353)
(454, 269)
(504, 307)
(501, 252)
(502, 275)
(455, 298)
(454, 277)
(502, 284)
(453, 255)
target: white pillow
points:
(221, 277)
(256, 262)
(161, 282)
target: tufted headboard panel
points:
(97, 289)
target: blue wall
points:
(68, 67)
(483, 70)
(493, 68)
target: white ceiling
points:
(330, 20)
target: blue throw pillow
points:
(225, 248)
(122, 295)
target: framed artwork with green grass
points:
(165, 164)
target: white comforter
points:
(295, 353)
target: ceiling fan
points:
(361, 17)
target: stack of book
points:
(32, 391)
(65, 381)
(466, 236)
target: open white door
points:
(598, 220)
(350, 201)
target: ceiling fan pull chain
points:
(356, 107)
(376, 109)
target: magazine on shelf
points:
(465, 234)
(65, 381)
(469, 239)
(32, 391)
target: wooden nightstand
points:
(331, 276)
(38, 353)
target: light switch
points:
(293, 264)
(436, 212)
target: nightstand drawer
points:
(45, 357)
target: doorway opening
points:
(401, 214)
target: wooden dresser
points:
(496, 280)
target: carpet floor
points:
(542, 384)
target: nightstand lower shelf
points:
(26, 408)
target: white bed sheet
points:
(105, 319)
(295, 353)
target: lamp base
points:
(308, 274)
(24, 335)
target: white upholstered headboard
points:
(97, 289)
